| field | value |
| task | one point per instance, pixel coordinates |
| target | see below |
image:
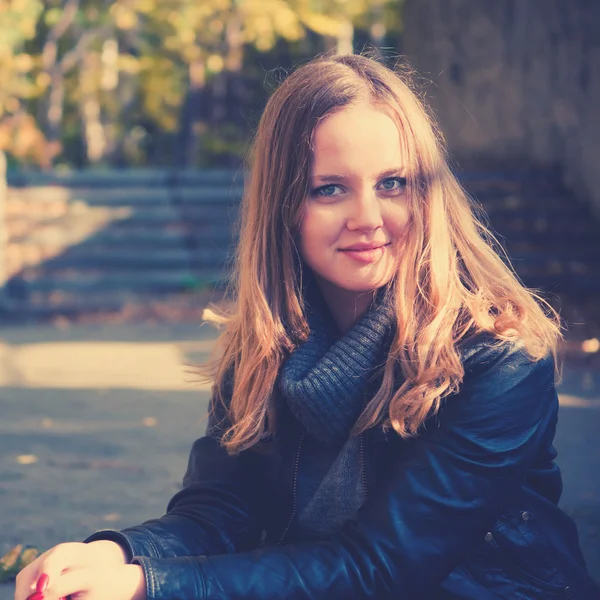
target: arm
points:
(442, 492)
(214, 513)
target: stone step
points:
(131, 238)
(70, 229)
(157, 196)
(125, 256)
(213, 214)
(531, 252)
(548, 241)
(568, 283)
(560, 211)
(501, 201)
(154, 233)
(93, 281)
(557, 264)
(490, 181)
(117, 259)
(556, 227)
(181, 236)
(553, 267)
(131, 257)
(133, 197)
(43, 306)
(158, 176)
(172, 274)
(127, 177)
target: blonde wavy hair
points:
(451, 282)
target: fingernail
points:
(36, 596)
(42, 583)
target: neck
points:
(346, 307)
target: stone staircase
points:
(95, 242)
(116, 239)
(552, 239)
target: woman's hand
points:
(112, 582)
(56, 563)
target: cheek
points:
(398, 221)
(319, 227)
(307, 238)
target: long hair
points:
(450, 282)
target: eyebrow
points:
(345, 178)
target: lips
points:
(364, 247)
(365, 253)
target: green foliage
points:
(131, 81)
(17, 24)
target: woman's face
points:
(357, 208)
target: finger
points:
(71, 583)
(25, 582)
(27, 577)
(42, 583)
(59, 559)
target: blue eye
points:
(325, 190)
(401, 181)
(391, 184)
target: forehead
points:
(361, 139)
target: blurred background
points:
(166, 83)
(123, 127)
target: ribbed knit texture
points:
(324, 381)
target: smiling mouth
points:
(371, 249)
(365, 255)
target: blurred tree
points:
(19, 132)
(131, 82)
(209, 39)
(67, 32)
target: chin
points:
(361, 287)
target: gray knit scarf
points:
(326, 383)
(325, 380)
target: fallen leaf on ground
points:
(27, 459)
(112, 517)
(15, 560)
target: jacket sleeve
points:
(214, 513)
(443, 490)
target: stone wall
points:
(514, 81)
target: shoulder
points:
(485, 351)
(497, 366)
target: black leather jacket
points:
(467, 509)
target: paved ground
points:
(97, 422)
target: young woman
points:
(384, 403)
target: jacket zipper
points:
(363, 466)
(294, 489)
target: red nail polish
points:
(42, 583)
(36, 596)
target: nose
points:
(365, 213)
